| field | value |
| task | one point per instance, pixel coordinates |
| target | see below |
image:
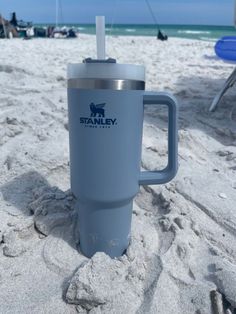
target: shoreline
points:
(212, 32)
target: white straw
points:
(100, 34)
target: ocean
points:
(208, 33)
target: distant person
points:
(71, 33)
(13, 20)
(50, 31)
(161, 36)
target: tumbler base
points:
(104, 229)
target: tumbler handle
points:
(165, 175)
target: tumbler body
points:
(105, 157)
(105, 105)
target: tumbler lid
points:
(102, 73)
(105, 70)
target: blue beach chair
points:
(225, 49)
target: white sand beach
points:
(183, 242)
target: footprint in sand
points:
(12, 246)
(16, 242)
(54, 217)
(10, 128)
(60, 251)
(159, 205)
(11, 69)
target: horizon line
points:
(149, 24)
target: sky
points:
(207, 12)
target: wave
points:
(130, 30)
(208, 39)
(193, 32)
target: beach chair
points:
(225, 49)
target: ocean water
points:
(202, 32)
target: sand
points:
(183, 242)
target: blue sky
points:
(216, 12)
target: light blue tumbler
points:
(106, 104)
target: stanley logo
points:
(97, 117)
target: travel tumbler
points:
(106, 108)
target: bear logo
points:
(97, 110)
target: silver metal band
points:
(90, 83)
